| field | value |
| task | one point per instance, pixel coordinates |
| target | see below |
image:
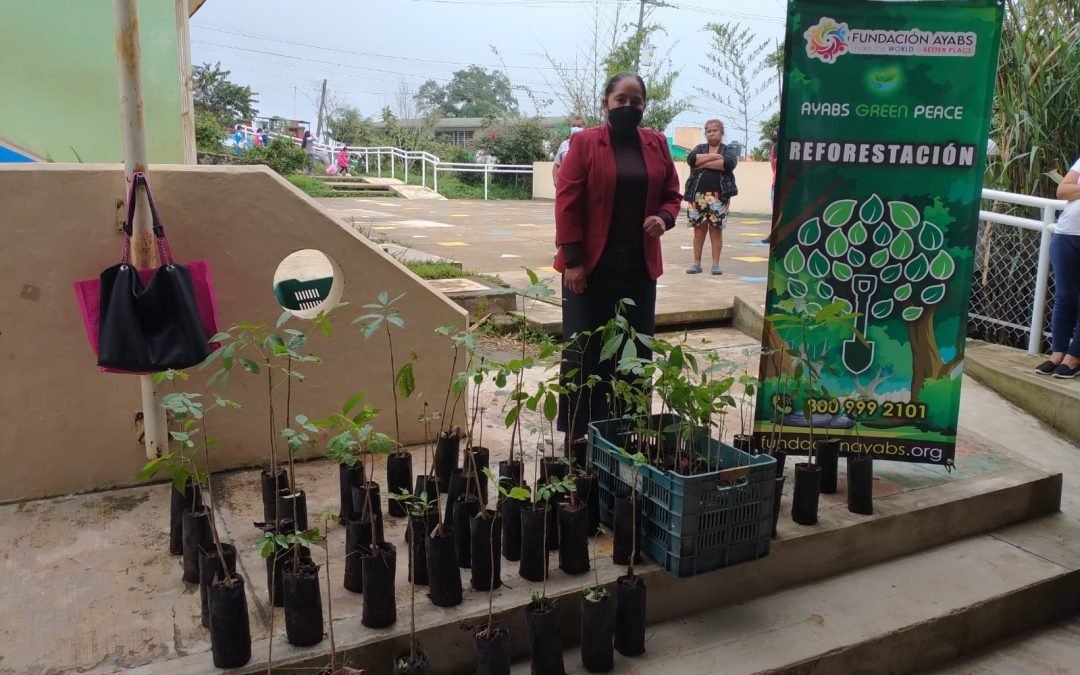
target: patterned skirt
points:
(708, 210)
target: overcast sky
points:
(364, 47)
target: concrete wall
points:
(754, 179)
(65, 426)
(58, 84)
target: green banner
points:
(883, 134)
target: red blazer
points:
(585, 197)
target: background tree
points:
(662, 108)
(214, 93)
(347, 125)
(472, 92)
(761, 152)
(578, 83)
(1036, 115)
(744, 73)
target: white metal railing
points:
(1045, 228)
(402, 159)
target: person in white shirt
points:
(576, 125)
(1064, 359)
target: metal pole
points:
(406, 169)
(423, 170)
(367, 161)
(435, 178)
(1042, 276)
(378, 159)
(392, 175)
(133, 135)
(485, 183)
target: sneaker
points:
(716, 269)
(1046, 368)
(1063, 372)
(694, 269)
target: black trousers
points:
(584, 312)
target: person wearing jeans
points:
(1064, 359)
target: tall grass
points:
(1036, 116)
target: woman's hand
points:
(655, 226)
(574, 279)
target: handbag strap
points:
(139, 178)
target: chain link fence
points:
(1003, 286)
(1012, 289)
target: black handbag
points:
(154, 326)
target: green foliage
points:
(471, 92)
(353, 425)
(662, 108)
(435, 270)
(313, 187)
(209, 134)
(743, 71)
(281, 155)
(513, 492)
(594, 593)
(1037, 108)
(275, 545)
(348, 126)
(225, 100)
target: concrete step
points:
(357, 185)
(901, 616)
(1053, 649)
(904, 523)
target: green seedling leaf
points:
(891, 274)
(856, 257)
(912, 313)
(842, 271)
(824, 290)
(903, 292)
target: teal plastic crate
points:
(690, 524)
(302, 295)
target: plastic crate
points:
(303, 295)
(690, 524)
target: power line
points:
(271, 38)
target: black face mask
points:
(624, 120)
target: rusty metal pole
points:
(133, 137)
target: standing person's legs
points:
(716, 240)
(700, 232)
(1064, 325)
(582, 313)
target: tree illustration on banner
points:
(886, 260)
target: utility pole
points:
(652, 4)
(322, 105)
(133, 135)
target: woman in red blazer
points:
(618, 193)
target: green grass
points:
(435, 270)
(311, 186)
(451, 186)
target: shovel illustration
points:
(858, 355)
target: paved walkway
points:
(505, 237)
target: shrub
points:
(209, 134)
(283, 156)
